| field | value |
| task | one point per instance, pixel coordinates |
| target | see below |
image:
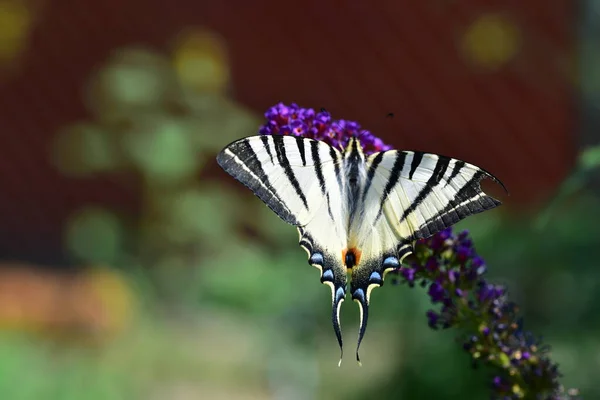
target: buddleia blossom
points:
(448, 265)
(306, 122)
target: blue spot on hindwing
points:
(327, 275)
(375, 277)
(339, 294)
(316, 259)
(391, 262)
(358, 294)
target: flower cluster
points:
(306, 122)
(453, 272)
(448, 265)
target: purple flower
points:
(297, 121)
(438, 241)
(432, 318)
(449, 265)
(408, 274)
(452, 276)
(463, 253)
(436, 292)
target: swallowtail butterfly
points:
(356, 214)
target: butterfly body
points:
(356, 215)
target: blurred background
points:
(132, 267)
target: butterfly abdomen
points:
(354, 171)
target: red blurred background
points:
(513, 114)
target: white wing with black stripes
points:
(408, 196)
(419, 194)
(356, 213)
(301, 180)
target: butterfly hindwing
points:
(301, 180)
(323, 254)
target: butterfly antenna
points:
(381, 123)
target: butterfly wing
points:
(409, 196)
(300, 180)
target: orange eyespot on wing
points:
(351, 257)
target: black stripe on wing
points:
(336, 165)
(278, 140)
(314, 150)
(458, 166)
(240, 161)
(468, 200)
(301, 150)
(265, 141)
(464, 204)
(416, 161)
(438, 172)
(371, 173)
(392, 181)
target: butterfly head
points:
(353, 149)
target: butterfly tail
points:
(360, 297)
(333, 276)
(364, 280)
(338, 299)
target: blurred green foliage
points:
(246, 281)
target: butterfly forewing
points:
(419, 194)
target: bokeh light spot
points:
(94, 235)
(83, 148)
(15, 23)
(133, 79)
(590, 157)
(194, 215)
(162, 149)
(114, 295)
(200, 61)
(491, 41)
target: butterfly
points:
(356, 215)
